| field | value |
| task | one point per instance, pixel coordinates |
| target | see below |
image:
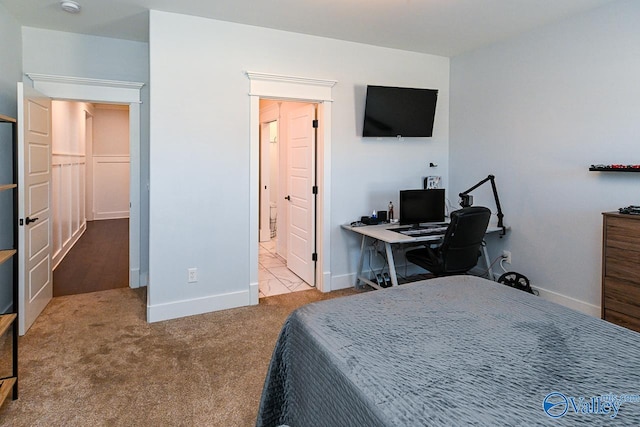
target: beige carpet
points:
(92, 360)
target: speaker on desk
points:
(382, 216)
(368, 220)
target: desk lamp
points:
(466, 200)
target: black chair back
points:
(460, 248)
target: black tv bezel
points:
(377, 96)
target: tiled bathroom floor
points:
(274, 277)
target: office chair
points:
(460, 248)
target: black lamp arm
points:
(466, 199)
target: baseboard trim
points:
(134, 278)
(101, 216)
(327, 283)
(569, 302)
(144, 278)
(254, 293)
(575, 304)
(66, 247)
(191, 307)
(343, 281)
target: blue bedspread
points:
(450, 352)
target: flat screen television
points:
(399, 112)
(420, 206)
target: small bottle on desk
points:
(390, 213)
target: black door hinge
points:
(315, 124)
(314, 256)
(314, 190)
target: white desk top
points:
(385, 233)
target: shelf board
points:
(614, 169)
(7, 119)
(6, 254)
(7, 186)
(5, 321)
(5, 387)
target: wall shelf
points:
(616, 168)
(9, 321)
(6, 254)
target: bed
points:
(450, 351)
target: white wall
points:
(111, 130)
(68, 175)
(111, 161)
(10, 74)
(10, 64)
(77, 55)
(200, 155)
(536, 111)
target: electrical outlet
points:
(192, 275)
(507, 256)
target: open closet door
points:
(34, 189)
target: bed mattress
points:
(450, 351)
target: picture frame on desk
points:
(432, 182)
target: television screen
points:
(399, 111)
(420, 206)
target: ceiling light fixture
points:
(70, 6)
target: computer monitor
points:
(419, 206)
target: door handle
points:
(30, 220)
(288, 198)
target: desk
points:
(385, 234)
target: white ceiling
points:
(441, 27)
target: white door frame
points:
(276, 86)
(267, 115)
(109, 91)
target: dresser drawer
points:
(622, 263)
(621, 296)
(622, 233)
(622, 319)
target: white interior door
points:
(34, 184)
(265, 171)
(300, 176)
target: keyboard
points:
(420, 232)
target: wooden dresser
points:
(621, 269)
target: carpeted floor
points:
(97, 262)
(92, 360)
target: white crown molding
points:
(278, 86)
(77, 88)
(253, 75)
(49, 78)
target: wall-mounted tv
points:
(399, 112)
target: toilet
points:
(273, 213)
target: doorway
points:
(90, 189)
(287, 226)
(49, 87)
(300, 89)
